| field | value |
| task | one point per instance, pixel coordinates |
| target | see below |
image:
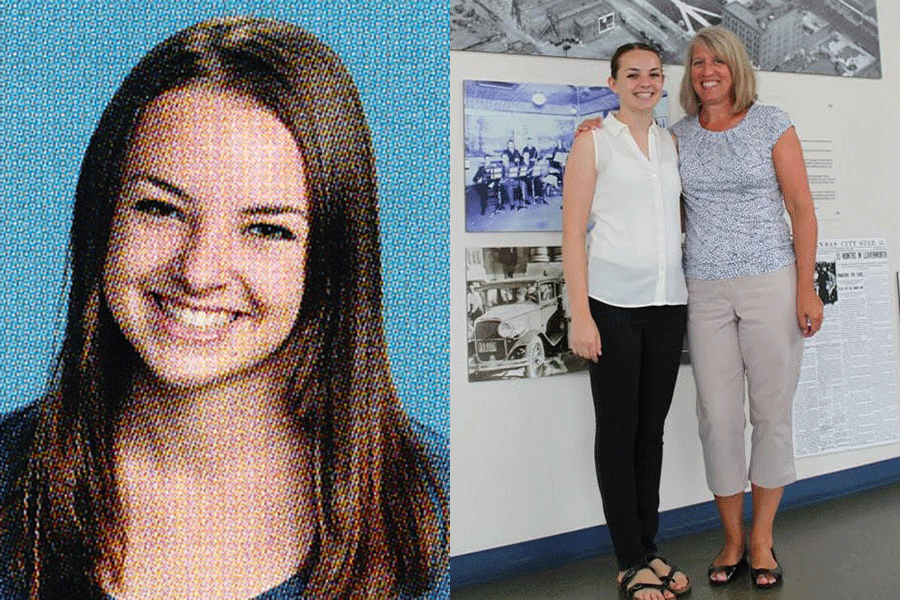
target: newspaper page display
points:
(847, 394)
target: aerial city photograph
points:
(824, 37)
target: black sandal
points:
(777, 574)
(627, 593)
(669, 579)
(731, 571)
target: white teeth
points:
(199, 318)
(644, 94)
(709, 84)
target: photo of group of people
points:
(517, 139)
(534, 181)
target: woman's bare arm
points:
(790, 169)
(578, 194)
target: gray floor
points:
(845, 549)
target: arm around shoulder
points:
(587, 126)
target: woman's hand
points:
(584, 339)
(588, 124)
(810, 312)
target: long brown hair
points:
(380, 513)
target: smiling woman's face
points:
(205, 268)
(711, 76)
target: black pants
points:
(632, 385)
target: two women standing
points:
(750, 301)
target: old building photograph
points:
(824, 37)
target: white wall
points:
(522, 451)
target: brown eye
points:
(156, 208)
(271, 232)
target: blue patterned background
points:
(62, 62)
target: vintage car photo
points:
(517, 314)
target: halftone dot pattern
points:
(66, 59)
(62, 63)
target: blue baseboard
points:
(566, 548)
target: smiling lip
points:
(192, 323)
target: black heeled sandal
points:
(731, 571)
(777, 575)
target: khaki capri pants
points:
(737, 327)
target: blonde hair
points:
(726, 45)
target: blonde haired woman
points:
(751, 298)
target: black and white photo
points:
(823, 37)
(517, 139)
(517, 314)
(826, 282)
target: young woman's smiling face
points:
(639, 80)
(205, 268)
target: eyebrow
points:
(169, 188)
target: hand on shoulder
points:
(588, 125)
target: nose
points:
(204, 262)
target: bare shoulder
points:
(583, 140)
(582, 148)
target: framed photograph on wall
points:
(517, 314)
(517, 139)
(821, 37)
